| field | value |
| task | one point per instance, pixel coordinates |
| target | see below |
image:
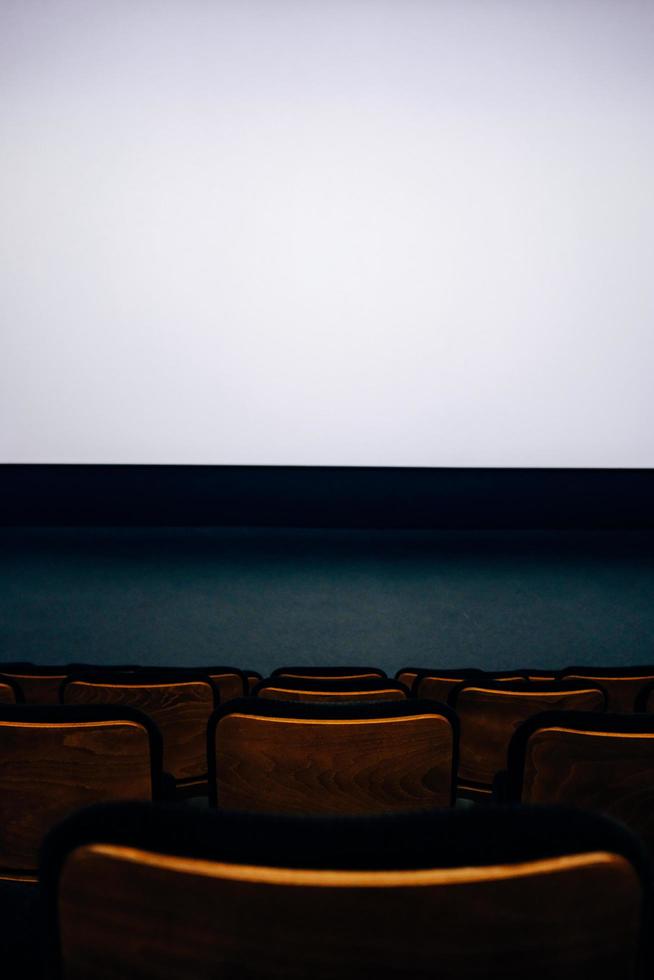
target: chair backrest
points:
(156, 893)
(326, 758)
(599, 762)
(329, 673)
(10, 692)
(41, 684)
(337, 690)
(645, 698)
(179, 702)
(55, 759)
(231, 682)
(439, 684)
(621, 684)
(490, 713)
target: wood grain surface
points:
(612, 773)
(39, 689)
(620, 691)
(129, 913)
(49, 770)
(489, 719)
(305, 766)
(180, 710)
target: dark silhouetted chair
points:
(253, 678)
(645, 698)
(55, 759)
(599, 762)
(326, 758)
(10, 692)
(621, 684)
(337, 690)
(179, 702)
(161, 893)
(490, 712)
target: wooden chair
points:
(621, 684)
(332, 758)
(10, 692)
(645, 698)
(490, 712)
(231, 682)
(599, 762)
(329, 673)
(41, 684)
(449, 678)
(55, 759)
(439, 684)
(180, 702)
(160, 893)
(337, 690)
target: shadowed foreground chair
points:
(166, 892)
(179, 702)
(337, 690)
(621, 684)
(645, 698)
(489, 714)
(599, 762)
(329, 673)
(325, 758)
(55, 759)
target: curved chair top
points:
(328, 673)
(583, 722)
(9, 682)
(528, 688)
(141, 677)
(50, 715)
(348, 688)
(444, 838)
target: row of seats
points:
(626, 689)
(355, 757)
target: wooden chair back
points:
(371, 757)
(161, 894)
(621, 684)
(179, 702)
(601, 762)
(489, 714)
(336, 691)
(56, 759)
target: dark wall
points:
(259, 598)
(338, 497)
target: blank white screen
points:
(334, 232)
